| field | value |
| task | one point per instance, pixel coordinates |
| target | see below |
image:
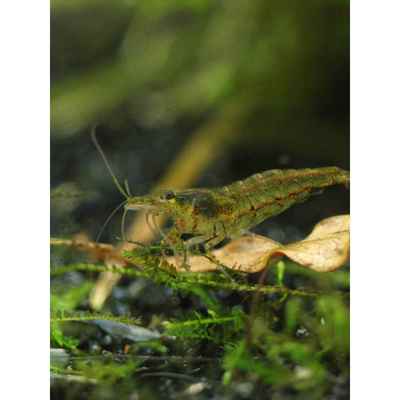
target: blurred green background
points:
(267, 82)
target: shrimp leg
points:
(173, 239)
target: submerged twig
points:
(98, 251)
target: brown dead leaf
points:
(325, 249)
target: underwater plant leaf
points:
(325, 249)
(59, 340)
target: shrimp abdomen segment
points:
(266, 194)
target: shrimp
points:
(210, 215)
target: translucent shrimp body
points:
(211, 215)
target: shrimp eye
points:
(168, 195)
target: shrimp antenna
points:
(123, 219)
(113, 212)
(103, 156)
(127, 188)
